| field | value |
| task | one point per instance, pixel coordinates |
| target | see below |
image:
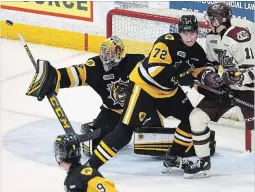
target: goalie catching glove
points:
(46, 80)
(211, 79)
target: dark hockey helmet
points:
(188, 23)
(67, 148)
(220, 11)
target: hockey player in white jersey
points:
(229, 50)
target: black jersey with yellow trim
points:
(82, 178)
(169, 56)
(111, 85)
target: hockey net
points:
(139, 28)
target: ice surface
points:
(29, 128)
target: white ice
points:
(233, 171)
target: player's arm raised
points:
(75, 75)
(48, 79)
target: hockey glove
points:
(187, 80)
(184, 75)
(210, 78)
(230, 77)
(45, 82)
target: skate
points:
(199, 169)
(173, 162)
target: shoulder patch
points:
(239, 34)
(87, 171)
(90, 63)
(169, 37)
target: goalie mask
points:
(218, 15)
(111, 52)
(67, 149)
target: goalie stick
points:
(55, 104)
(238, 101)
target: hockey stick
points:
(238, 101)
(55, 104)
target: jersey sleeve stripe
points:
(145, 76)
(82, 74)
(75, 77)
(99, 148)
(153, 71)
(70, 75)
(100, 156)
(107, 149)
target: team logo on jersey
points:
(169, 37)
(243, 35)
(142, 116)
(87, 171)
(181, 54)
(90, 63)
(223, 59)
(118, 91)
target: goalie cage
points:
(139, 28)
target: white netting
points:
(139, 33)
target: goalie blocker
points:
(154, 141)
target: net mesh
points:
(139, 34)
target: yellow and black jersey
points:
(111, 85)
(156, 74)
(85, 179)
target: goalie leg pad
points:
(155, 141)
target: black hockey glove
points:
(184, 75)
(210, 78)
(45, 82)
(233, 76)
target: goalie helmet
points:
(188, 23)
(220, 12)
(67, 149)
(111, 52)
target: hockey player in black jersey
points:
(230, 51)
(79, 178)
(107, 74)
(154, 86)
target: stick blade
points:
(89, 136)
